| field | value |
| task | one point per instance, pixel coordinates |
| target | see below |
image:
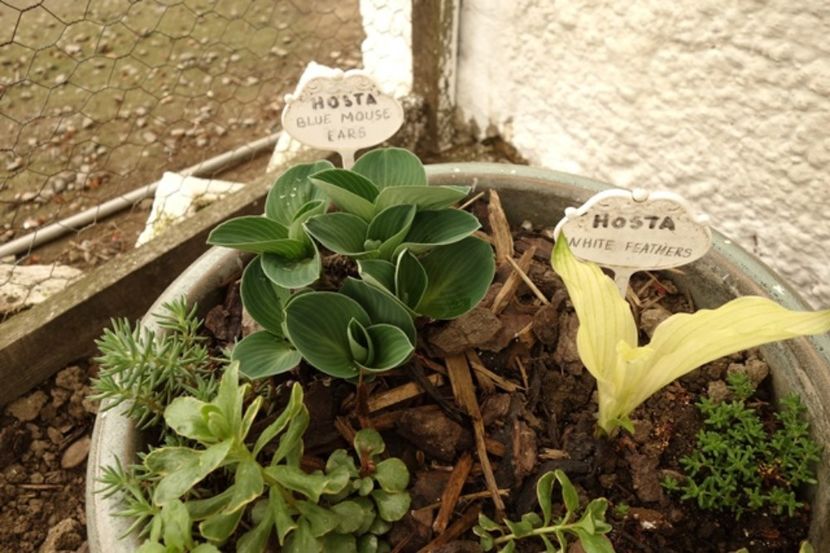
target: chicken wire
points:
(99, 97)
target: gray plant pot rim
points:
(801, 365)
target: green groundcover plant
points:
(628, 374)
(738, 465)
(347, 507)
(589, 529)
(416, 257)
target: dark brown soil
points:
(548, 422)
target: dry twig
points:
(511, 285)
(499, 229)
(450, 495)
(401, 393)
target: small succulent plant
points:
(589, 529)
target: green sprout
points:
(589, 529)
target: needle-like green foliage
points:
(628, 374)
(738, 466)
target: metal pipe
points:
(76, 222)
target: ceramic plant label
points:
(630, 231)
(340, 111)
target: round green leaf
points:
(340, 232)
(411, 280)
(256, 234)
(349, 191)
(425, 197)
(292, 274)
(322, 520)
(339, 543)
(390, 347)
(293, 190)
(368, 443)
(391, 167)
(351, 516)
(263, 299)
(438, 228)
(459, 276)
(381, 306)
(367, 544)
(391, 506)
(392, 475)
(389, 227)
(263, 354)
(317, 323)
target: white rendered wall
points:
(727, 103)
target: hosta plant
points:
(346, 507)
(628, 374)
(589, 529)
(415, 253)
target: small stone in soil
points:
(468, 331)
(27, 408)
(76, 453)
(434, 432)
(650, 318)
(64, 536)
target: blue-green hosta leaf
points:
(433, 228)
(321, 519)
(176, 523)
(380, 306)
(391, 167)
(295, 405)
(360, 343)
(256, 234)
(425, 197)
(195, 468)
(340, 232)
(293, 190)
(389, 227)
(391, 506)
(262, 354)
(292, 273)
(317, 323)
(411, 280)
(378, 272)
(263, 299)
(247, 485)
(296, 229)
(221, 526)
(459, 275)
(349, 191)
(626, 374)
(392, 475)
(184, 415)
(390, 347)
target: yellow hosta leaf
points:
(604, 317)
(626, 374)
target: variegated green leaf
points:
(411, 281)
(263, 299)
(184, 416)
(349, 191)
(293, 190)
(292, 274)
(425, 197)
(391, 167)
(433, 228)
(257, 234)
(194, 470)
(221, 526)
(459, 276)
(262, 354)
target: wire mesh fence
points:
(99, 97)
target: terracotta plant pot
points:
(727, 271)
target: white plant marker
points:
(340, 111)
(628, 231)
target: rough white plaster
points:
(727, 103)
(387, 49)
